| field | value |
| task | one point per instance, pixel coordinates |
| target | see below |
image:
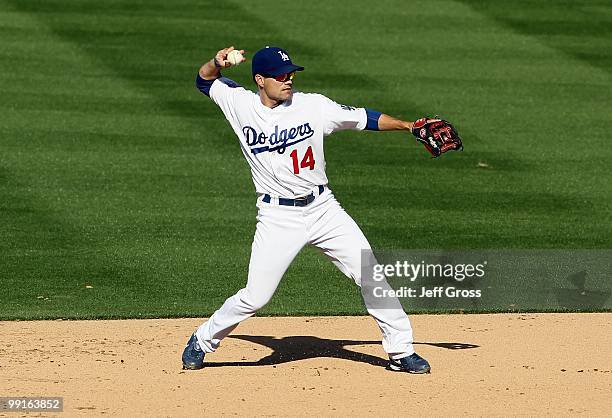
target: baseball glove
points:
(438, 135)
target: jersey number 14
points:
(307, 162)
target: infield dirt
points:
(485, 365)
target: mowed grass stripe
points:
(581, 30)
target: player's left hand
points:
(437, 135)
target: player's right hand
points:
(221, 57)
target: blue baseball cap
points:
(273, 61)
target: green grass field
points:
(116, 173)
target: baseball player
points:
(281, 134)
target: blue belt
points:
(301, 201)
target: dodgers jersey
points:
(283, 145)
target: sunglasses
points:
(281, 78)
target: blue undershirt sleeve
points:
(373, 116)
(204, 85)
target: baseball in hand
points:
(234, 57)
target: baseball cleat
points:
(411, 364)
(193, 356)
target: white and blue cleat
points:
(193, 356)
(410, 364)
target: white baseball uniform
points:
(284, 149)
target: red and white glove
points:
(437, 135)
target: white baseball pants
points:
(282, 231)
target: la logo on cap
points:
(284, 56)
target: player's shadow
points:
(296, 348)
